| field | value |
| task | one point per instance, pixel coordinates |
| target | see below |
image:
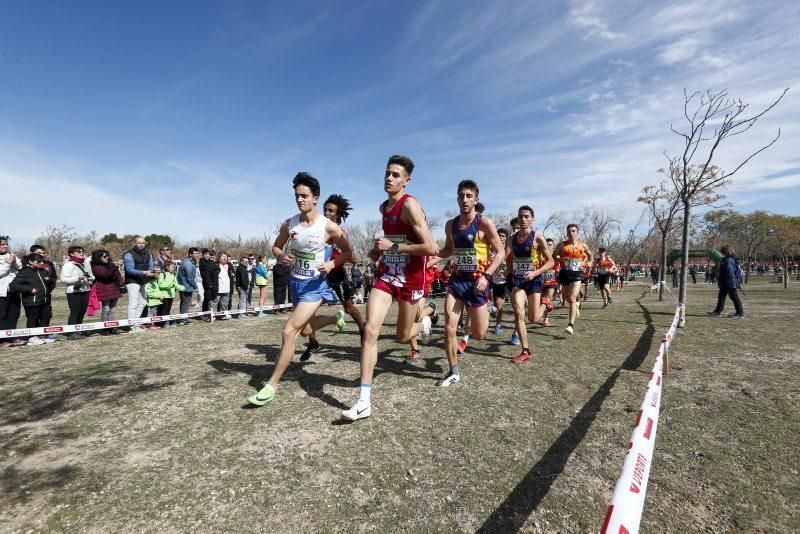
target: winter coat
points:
(206, 266)
(187, 275)
(7, 273)
(107, 280)
(215, 271)
(29, 279)
(281, 275)
(727, 273)
(153, 292)
(168, 284)
(242, 277)
(70, 272)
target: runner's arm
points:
(493, 238)
(284, 259)
(413, 215)
(541, 244)
(339, 238)
(449, 246)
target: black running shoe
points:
(311, 348)
(435, 314)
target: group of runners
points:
(489, 265)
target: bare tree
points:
(601, 225)
(663, 205)
(712, 117)
(54, 238)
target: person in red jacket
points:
(108, 280)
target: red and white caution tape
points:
(87, 327)
(625, 511)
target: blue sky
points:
(191, 118)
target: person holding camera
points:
(79, 282)
(138, 270)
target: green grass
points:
(147, 432)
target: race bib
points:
(573, 265)
(466, 260)
(395, 263)
(549, 275)
(303, 264)
(523, 266)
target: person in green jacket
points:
(169, 286)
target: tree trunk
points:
(747, 266)
(687, 212)
(662, 272)
(786, 271)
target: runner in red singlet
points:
(402, 250)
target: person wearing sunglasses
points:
(108, 280)
(78, 280)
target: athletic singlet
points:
(499, 276)
(526, 256)
(397, 269)
(337, 275)
(573, 256)
(307, 246)
(470, 254)
(604, 265)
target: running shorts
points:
(399, 292)
(312, 290)
(464, 289)
(602, 279)
(344, 291)
(530, 286)
(567, 277)
(500, 291)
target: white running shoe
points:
(36, 341)
(360, 410)
(426, 329)
(448, 380)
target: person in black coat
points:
(280, 283)
(35, 286)
(243, 282)
(206, 265)
(728, 284)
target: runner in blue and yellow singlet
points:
(531, 258)
(469, 238)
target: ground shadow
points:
(512, 513)
(44, 396)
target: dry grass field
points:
(150, 432)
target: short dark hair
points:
(572, 225)
(73, 248)
(342, 206)
(303, 178)
(37, 247)
(33, 257)
(479, 207)
(601, 250)
(192, 250)
(403, 161)
(205, 251)
(514, 221)
(549, 240)
(727, 250)
(527, 208)
(502, 231)
(468, 184)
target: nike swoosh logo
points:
(259, 399)
(359, 412)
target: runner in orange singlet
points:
(575, 256)
(604, 266)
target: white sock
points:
(366, 391)
(466, 338)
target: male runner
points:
(604, 266)
(337, 208)
(401, 275)
(574, 255)
(499, 283)
(531, 258)
(427, 314)
(308, 234)
(550, 278)
(468, 237)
